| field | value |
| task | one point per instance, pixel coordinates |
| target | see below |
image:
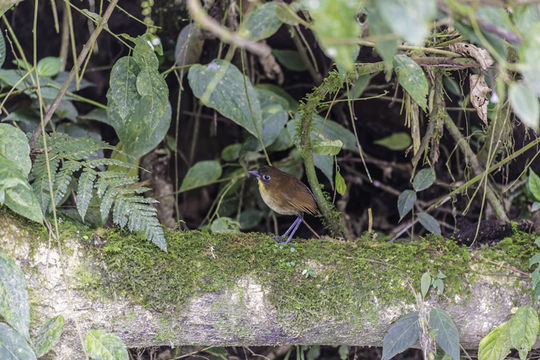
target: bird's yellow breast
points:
(275, 202)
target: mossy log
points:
(243, 289)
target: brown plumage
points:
(285, 194)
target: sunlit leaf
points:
(341, 187)
(13, 346)
(14, 303)
(101, 345)
(495, 345)
(14, 146)
(48, 335)
(523, 330)
(328, 147)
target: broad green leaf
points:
(325, 130)
(143, 53)
(425, 283)
(104, 346)
(14, 146)
(328, 147)
(189, 45)
(262, 22)
(250, 218)
(122, 87)
(525, 16)
(48, 335)
(385, 44)
(291, 102)
(49, 66)
(411, 76)
(13, 346)
(525, 104)
(343, 352)
(529, 53)
(405, 202)
(523, 330)
(410, 19)
(225, 84)
(16, 193)
(535, 259)
(274, 115)
(423, 179)
(495, 345)
(285, 16)
(401, 335)
(326, 164)
(201, 174)
(225, 225)
(334, 20)
(446, 332)
(291, 59)
(2, 49)
(144, 82)
(231, 152)
(341, 187)
(14, 303)
(533, 183)
(429, 223)
(396, 141)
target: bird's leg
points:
(294, 226)
(288, 230)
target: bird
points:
(286, 195)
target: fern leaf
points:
(40, 184)
(76, 148)
(84, 191)
(120, 212)
(106, 202)
(108, 162)
(63, 179)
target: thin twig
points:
(80, 60)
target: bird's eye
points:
(266, 177)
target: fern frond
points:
(41, 180)
(84, 191)
(75, 148)
(106, 202)
(94, 163)
(63, 179)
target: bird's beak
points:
(255, 173)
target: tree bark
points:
(249, 309)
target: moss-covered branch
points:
(244, 289)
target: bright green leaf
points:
(406, 202)
(14, 146)
(341, 187)
(228, 95)
(262, 22)
(16, 193)
(14, 303)
(13, 346)
(49, 66)
(396, 141)
(201, 174)
(101, 345)
(525, 104)
(425, 283)
(525, 16)
(225, 225)
(231, 152)
(446, 332)
(334, 20)
(496, 344)
(533, 183)
(411, 76)
(429, 223)
(410, 19)
(359, 86)
(401, 335)
(48, 335)
(523, 330)
(529, 53)
(329, 147)
(423, 179)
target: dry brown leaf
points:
(479, 89)
(479, 54)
